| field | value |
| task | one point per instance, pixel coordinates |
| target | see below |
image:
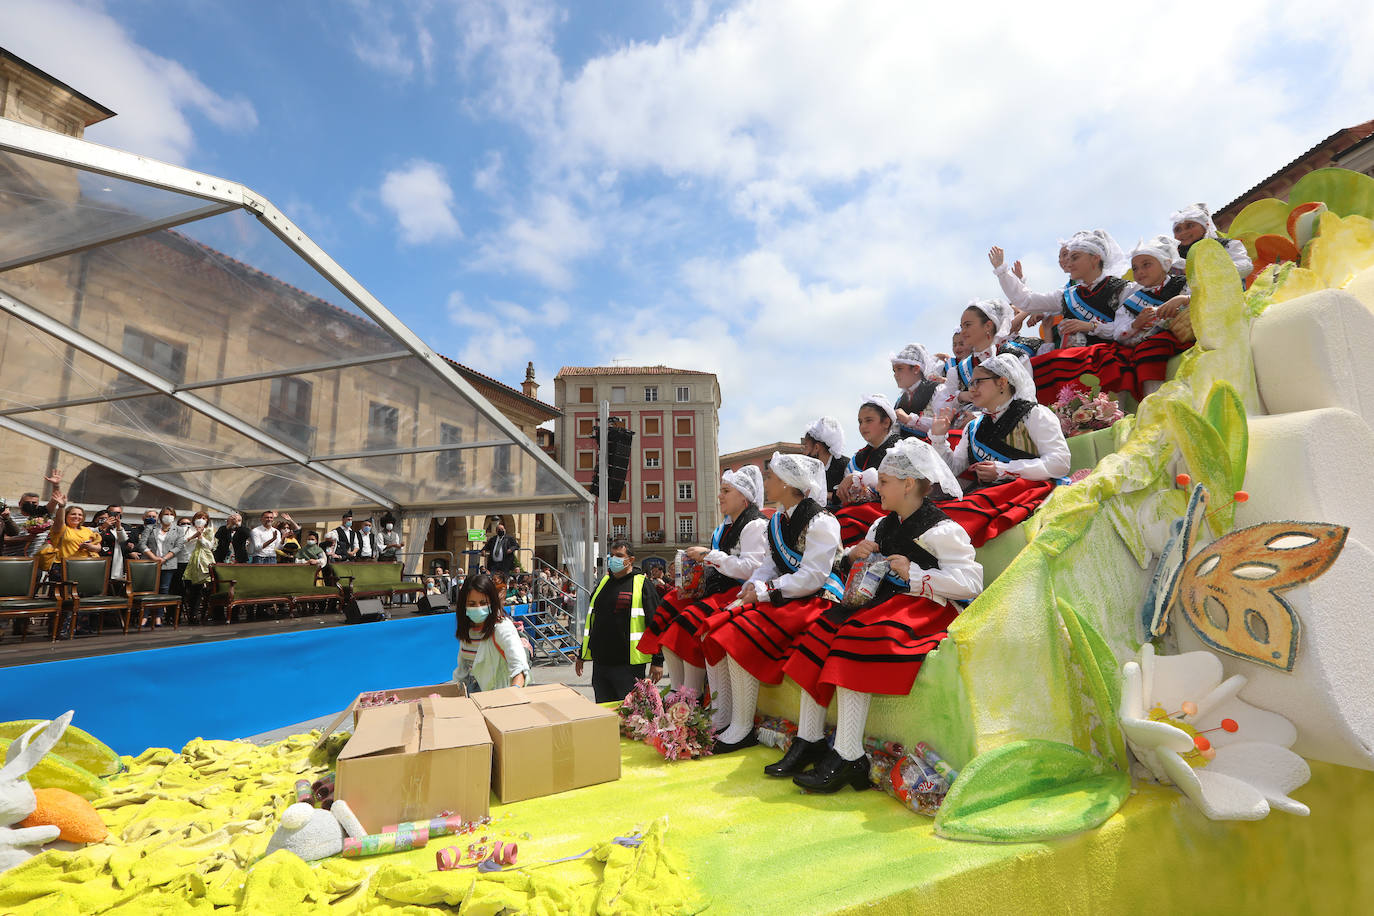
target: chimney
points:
(529, 387)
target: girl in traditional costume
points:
(824, 441)
(849, 654)
(910, 368)
(738, 547)
(1193, 224)
(1012, 455)
(878, 427)
(985, 328)
(793, 586)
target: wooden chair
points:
(18, 582)
(85, 588)
(144, 576)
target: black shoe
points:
(800, 755)
(833, 773)
(749, 740)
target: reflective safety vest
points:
(636, 619)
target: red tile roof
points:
(627, 370)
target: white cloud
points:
(420, 198)
(487, 178)
(544, 244)
(84, 47)
(495, 338)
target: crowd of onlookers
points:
(189, 544)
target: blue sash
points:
(1138, 300)
(718, 534)
(965, 369)
(1025, 349)
(983, 452)
(1074, 304)
(833, 588)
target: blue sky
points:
(780, 191)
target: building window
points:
(288, 411)
(620, 526)
(585, 395)
(684, 393)
(653, 426)
(585, 427)
(651, 393)
(383, 423)
(448, 464)
(161, 414)
(653, 529)
(685, 491)
(586, 461)
(684, 458)
(686, 529)
(653, 458)
(618, 394)
(501, 478)
(653, 491)
(682, 426)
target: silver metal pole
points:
(603, 521)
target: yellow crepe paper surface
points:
(188, 830)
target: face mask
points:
(480, 613)
(367, 529)
(348, 523)
(150, 520)
(389, 526)
(167, 519)
(28, 508)
(617, 564)
(199, 523)
(312, 542)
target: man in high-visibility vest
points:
(624, 600)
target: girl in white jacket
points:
(489, 647)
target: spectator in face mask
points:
(390, 540)
(195, 573)
(500, 551)
(114, 540)
(231, 541)
(367, 542)
(163, 541)
(345, 539)
(27, 529)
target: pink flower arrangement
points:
(1082, 409)
(673, 723)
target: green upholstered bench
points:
(253, 585)
(374, 580)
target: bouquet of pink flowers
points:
(673, 723)
(1082, 409)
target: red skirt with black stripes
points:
(682, 631)
(1118, 367)
(877, 650)
(988, 512)
(855, 521)
(759, 636)
(669, 607)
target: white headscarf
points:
(883, 403)
(748, 480)
(913, 354)
(1100, 242)
(828, 432)
(998, 312)
(912, 458)
(1013, 370)
(806, 474)
(1162, 248)
(1195, 213)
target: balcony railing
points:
(654, 537)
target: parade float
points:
(1159, 703)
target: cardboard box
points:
(407, 695)
(548, 739)
(410, 761)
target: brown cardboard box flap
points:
(451, 722)
(405, 695)
(383, 729)
(506, 696)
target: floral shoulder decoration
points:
(674, 723)
(1188, 727)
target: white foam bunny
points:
(17, 800)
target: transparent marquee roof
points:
(176, 328)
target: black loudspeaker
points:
(618, 443)
(364, 610)
(432, 604)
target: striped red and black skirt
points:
(759, 636)
(877, 650)
(855, 521)
(1118, 367)
(988, 512)
(694, 620)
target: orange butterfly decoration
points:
(1230, 591)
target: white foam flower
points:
(1241, 768)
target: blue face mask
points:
(616, 564)
(480, 613)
